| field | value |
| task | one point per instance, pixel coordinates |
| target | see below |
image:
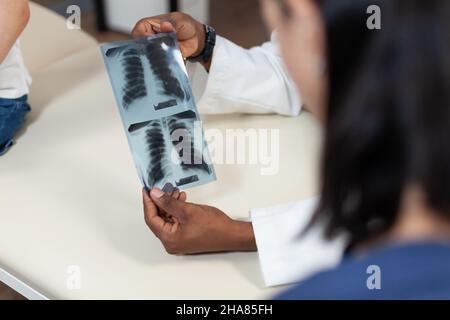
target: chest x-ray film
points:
(158, 111)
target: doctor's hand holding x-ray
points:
(186, 228)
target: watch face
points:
(210, 35)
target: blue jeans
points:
(12, 118)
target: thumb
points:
(169, 204)
(148, 203)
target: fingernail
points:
(168, 188)
(155, 26)
(157, 193)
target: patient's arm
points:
(14, 16)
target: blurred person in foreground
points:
(386, 159)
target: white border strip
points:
(20, 286)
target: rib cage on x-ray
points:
(157, 54)
(159, 149)
(183, 124)
(160, 62)
(134, 87)
(159, 164)
(155, 101)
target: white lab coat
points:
(256, 81)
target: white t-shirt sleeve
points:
(245, 81)
(14, 77)
(285, 255)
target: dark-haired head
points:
(322, 43)
(390, 133)
(386, 111)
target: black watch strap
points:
(210, 43)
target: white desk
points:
(70, 196)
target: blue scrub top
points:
(413, 271)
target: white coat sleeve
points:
(285, 255)
(245, 81)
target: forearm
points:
(241, 237)
(14, 16)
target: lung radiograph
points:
(158, 111)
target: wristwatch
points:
(210, 42)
